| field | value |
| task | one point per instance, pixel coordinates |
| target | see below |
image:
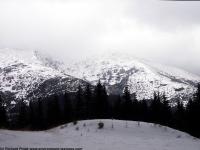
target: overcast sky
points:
(163, 31)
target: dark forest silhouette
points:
(94, 103)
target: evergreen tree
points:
(106, 107)
(197, 94)
(101, 101)
(43, 112)
(80, 105)
(35, 114)
(68, 112)
(166, 111)
(179, 116)
(3, 118)
(51, 116)
(155, 108)
(135, 108)
(38, 114)
(144, 111)
(56, 110)
(32, 114)
(193, 110)
(127, 104)
(23, 114)
(117, 108)
(197, 111)
(88, 101)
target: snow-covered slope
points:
(23, 74)
(28, 74)
(142, 77)
(85, 135)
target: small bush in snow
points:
(75, 122)
(84, 125)
(100, 125)
(77, 128)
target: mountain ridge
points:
(27, 74)
(23, 75)
(143, 77)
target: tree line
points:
(94, 103)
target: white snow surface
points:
(146, 136)
(143, 77)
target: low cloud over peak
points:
(165, 31)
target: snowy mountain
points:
(23, 74)
(143, 77)
(86, 135)
(29, 74)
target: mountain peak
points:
(24, 71)
(23, 74)
(143, 77)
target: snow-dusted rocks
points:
(113, 136)
(28, 74)
(24, 75)
(143, 77)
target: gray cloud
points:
(164, 31)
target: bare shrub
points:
(100, 125)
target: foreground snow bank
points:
(116, 135)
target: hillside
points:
(143, 77)
(24, 75)
(85, 135)
(30, 74)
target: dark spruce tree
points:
(68, 111)
(127, 104)
(193, 111)
(32, 114)
(88, 101)
(144, 111)
(100, 101)
(80, 108)
(135, 108)
(3, 117)
(23, 117)
(106, 105)
(117, 108)
(55, 110)
(197, 110)
(165, 111)
(179, 116)
(38, 115)
(155, 108)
